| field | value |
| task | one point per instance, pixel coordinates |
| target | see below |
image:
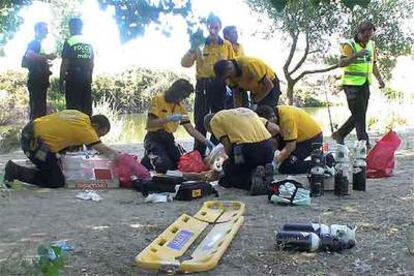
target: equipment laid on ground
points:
(342, 171)
(166, 251)
(359, 176)
(317, 172)
(85, 170)
(288, 192)
(313, 237)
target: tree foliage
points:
(315, 23)
(134, 16)
(9, 19)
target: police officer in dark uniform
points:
(37, 61)
(76, 70)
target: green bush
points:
(130, 91)
(13, 97)
(392, 94)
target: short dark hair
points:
(366, 25)
(101, 121)
(265, 111)
(75, 25)
(220, 68)
(212, 18)
(38, 26)
(228, 29)
(181, 85)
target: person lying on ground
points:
(298, 131)
(250, 74)
(247, 143)
(166, 112)
(44, 138)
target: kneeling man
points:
(166, 112)
(248, 145)
(45, 137)
(298, 132)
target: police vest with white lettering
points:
(80, 47)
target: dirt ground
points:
(107, 235)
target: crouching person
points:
(44, 138)
(166, 112)
(298, 132)
(248, 145)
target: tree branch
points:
(290, 57)
(304, 73)
(305, 55)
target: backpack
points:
(190, 190)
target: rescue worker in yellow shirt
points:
(248, 145)
(298, 131)
(359, 60)
(210, 92)
(166, 112)
(230, 33)
(44, 138)
(250, 74)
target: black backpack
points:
(190, 190)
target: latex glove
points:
(209, 144)
(174, 117)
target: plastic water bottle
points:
(359, 176)
(302, 241)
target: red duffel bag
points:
(192, 162)
(127, 166)
(380, 159)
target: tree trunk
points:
(289, 92)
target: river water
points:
(134, 127)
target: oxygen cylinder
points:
(302, 241)
(342, 171)
(317, 171)
(359, 176)
(316, 228)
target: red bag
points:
(380, 160)
(192, 162)
(127, 166)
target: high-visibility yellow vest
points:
(359, 71)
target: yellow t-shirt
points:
(240, 125)
(238, 50)
(160, 108)
(252, 71)
(296, 125)
(207, 57)
(64, 129)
